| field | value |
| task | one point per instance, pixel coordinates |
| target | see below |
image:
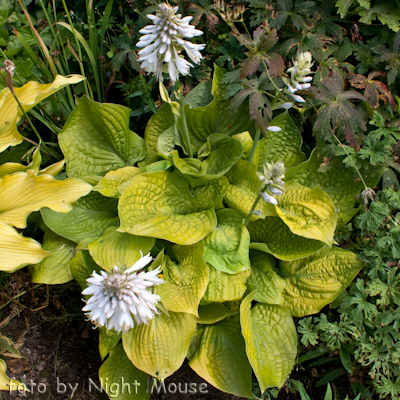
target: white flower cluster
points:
(118, 296)
(163, 43)
(299, 79)
(272, 176)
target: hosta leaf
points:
(224, 287)
(227, 247)
(90, 217)
(166, 141)
(121, 379)
(8, 384)
(108, 339)
(23, 193)
(82, 266)
(211, 195)
(160, 347)
(242, 191)
(185, 279)
(55, 269)
(28, 95)
(10, 167)
(315, 281)
(273, 236)
(17, 251)
(307, 212)
(247, 143)
(214, 312)
(114, 182)
(264, 279)
(159, 204)
(338, 182)
(271, 341)
(120, 249)
(217, 354)
(280, 146)
(96, 139)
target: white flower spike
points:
(119, 298)
(163, 42)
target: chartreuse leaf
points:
(242, 191)
(9, 384)
(28, 95)
(214, 312)
(224, 287)
(211, 195)
(90, 217)
(160, 347)
(273, 236)
(23, 193)
(315, 281)
(10, 167)
(265, 278)
(17, 251)
(307, 212)
(121, 379)
(8, 348)
(280, 146)
(227, 247)
(247, 143)
(108, 339)
(271, 341)
(185, 279)
(55, 269)
(217, 354)
(96, 139)
(338, 182)
(114, 182)
(159, 204)
(119, 249)
(82, 266)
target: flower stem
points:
(269, 76)
(253, 149)
(258, 198)
(185, 127)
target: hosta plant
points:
(228, 270)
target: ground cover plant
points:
(211, 188)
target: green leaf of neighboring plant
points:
(307, 212)
(338, 182)
(90, 217)
(121, 379)
(119, 249)
(18, 251)
(271, 341)
(159, 204)
(8, 348)
(82, 266)
(96, 139)
(214, 312)
(227, 247)
(107, 341)
(185, 280)
(265, 278)
(114, 182)
(24, 192)
(160, 346)
(315, 281)
(8, 384)
(224, 287)
(280, 146)
(55, 269)
(217, 354)
(211, 195)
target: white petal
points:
(274, 128)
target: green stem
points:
(253, 149)
(185, 127)
(269, 76)
(258, 198)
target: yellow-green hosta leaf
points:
(280, 146)
(271, 235)
(10, 167)
(17, 251)
(217, 354)
(264, 280)
(96, 139)
(90, 217)
(315, 281)
(307, 212)
(121, 379)
(160, 347)
(224, 287)
(120, 249)
(166, 141)
(8, 384)
(242, 191)
(227, 247)
(28, 95)
(214, 312)
(55, 269)
(53, 169)
(271, 341)
(340, 183)
(159, 204)
(211, 195)
(114, 182)
(23, 193)
(185, 279)
(247, 143)
(108, 339)
(82, 266)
